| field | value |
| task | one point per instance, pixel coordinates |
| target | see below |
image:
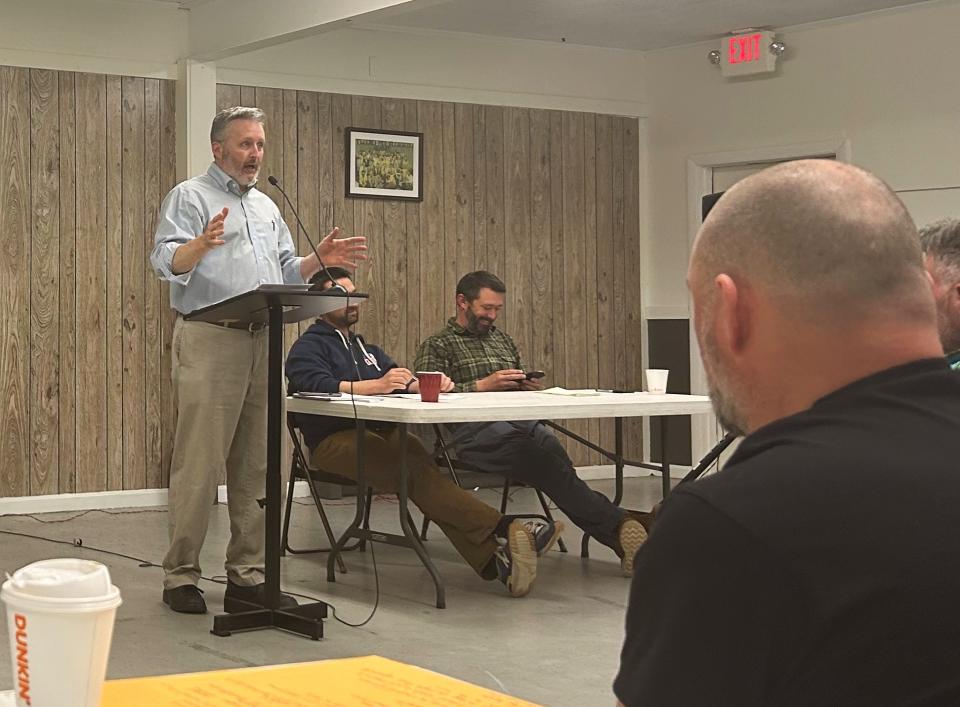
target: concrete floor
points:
(557, 646)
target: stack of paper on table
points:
(564, 391)
(341, 398)
(331, 683)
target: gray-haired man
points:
(217, 237)
(941, 247)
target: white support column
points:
(196, 106)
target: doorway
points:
(709, 174)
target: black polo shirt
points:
(820, 567)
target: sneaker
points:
(545, 534)
(247, 598)
(516, 559)
(632, 535)
(187, 599)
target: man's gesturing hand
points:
(507, 379)
(342, 252)
(212, 235)
(186, 257)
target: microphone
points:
(334, 286)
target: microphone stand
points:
(709, 458)
(334, 287)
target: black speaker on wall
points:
(708, 203)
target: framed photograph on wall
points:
(384, 164)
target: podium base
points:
(304, 620)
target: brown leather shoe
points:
(248, 598)
(187, 599)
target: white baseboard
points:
(300, 489)
(158, 497)
(51, 503)
(606, 471)
(596, 472)
(83, 501)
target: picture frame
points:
(384, 164)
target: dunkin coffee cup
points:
(429, 385)
(60, 620)
(657, 380)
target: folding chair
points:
(441, 455)
(300, 469)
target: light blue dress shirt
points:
(258, 250)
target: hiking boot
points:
(545, 534)
(632, 535)
(187, 599)
(516, 559)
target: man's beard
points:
(477, 325)
(252, 180)
(344, 319)
(725, 408)
(949, 331)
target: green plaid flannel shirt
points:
(466, 357)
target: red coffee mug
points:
(429, 385)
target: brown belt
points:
(252, 327)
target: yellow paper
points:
(349, 682)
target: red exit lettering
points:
(743, 48)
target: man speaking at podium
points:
(218, 236)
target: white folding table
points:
(489, 407)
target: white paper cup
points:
(657, 380)
(60, 619)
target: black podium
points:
(274, 305)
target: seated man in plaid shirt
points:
(329, 358)
(479, 357)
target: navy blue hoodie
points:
(318, 361)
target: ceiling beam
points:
(224, 28)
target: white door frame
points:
(704, 432)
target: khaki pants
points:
(466, 520)
(220, 390)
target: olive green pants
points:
(467, 521)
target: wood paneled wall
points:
(548, 200)
(85, 326)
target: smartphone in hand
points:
(534, 375)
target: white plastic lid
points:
(64, 578)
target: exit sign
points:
(747, 53)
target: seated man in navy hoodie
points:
(327, 359)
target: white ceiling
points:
(622, 24)
(626, 24)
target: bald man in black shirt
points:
(822, 565)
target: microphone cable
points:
(79, 544)
(335, 287)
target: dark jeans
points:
(528, 452)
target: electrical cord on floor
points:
(80, 514)
(376, 601)
(216, 579)
(78, 542)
